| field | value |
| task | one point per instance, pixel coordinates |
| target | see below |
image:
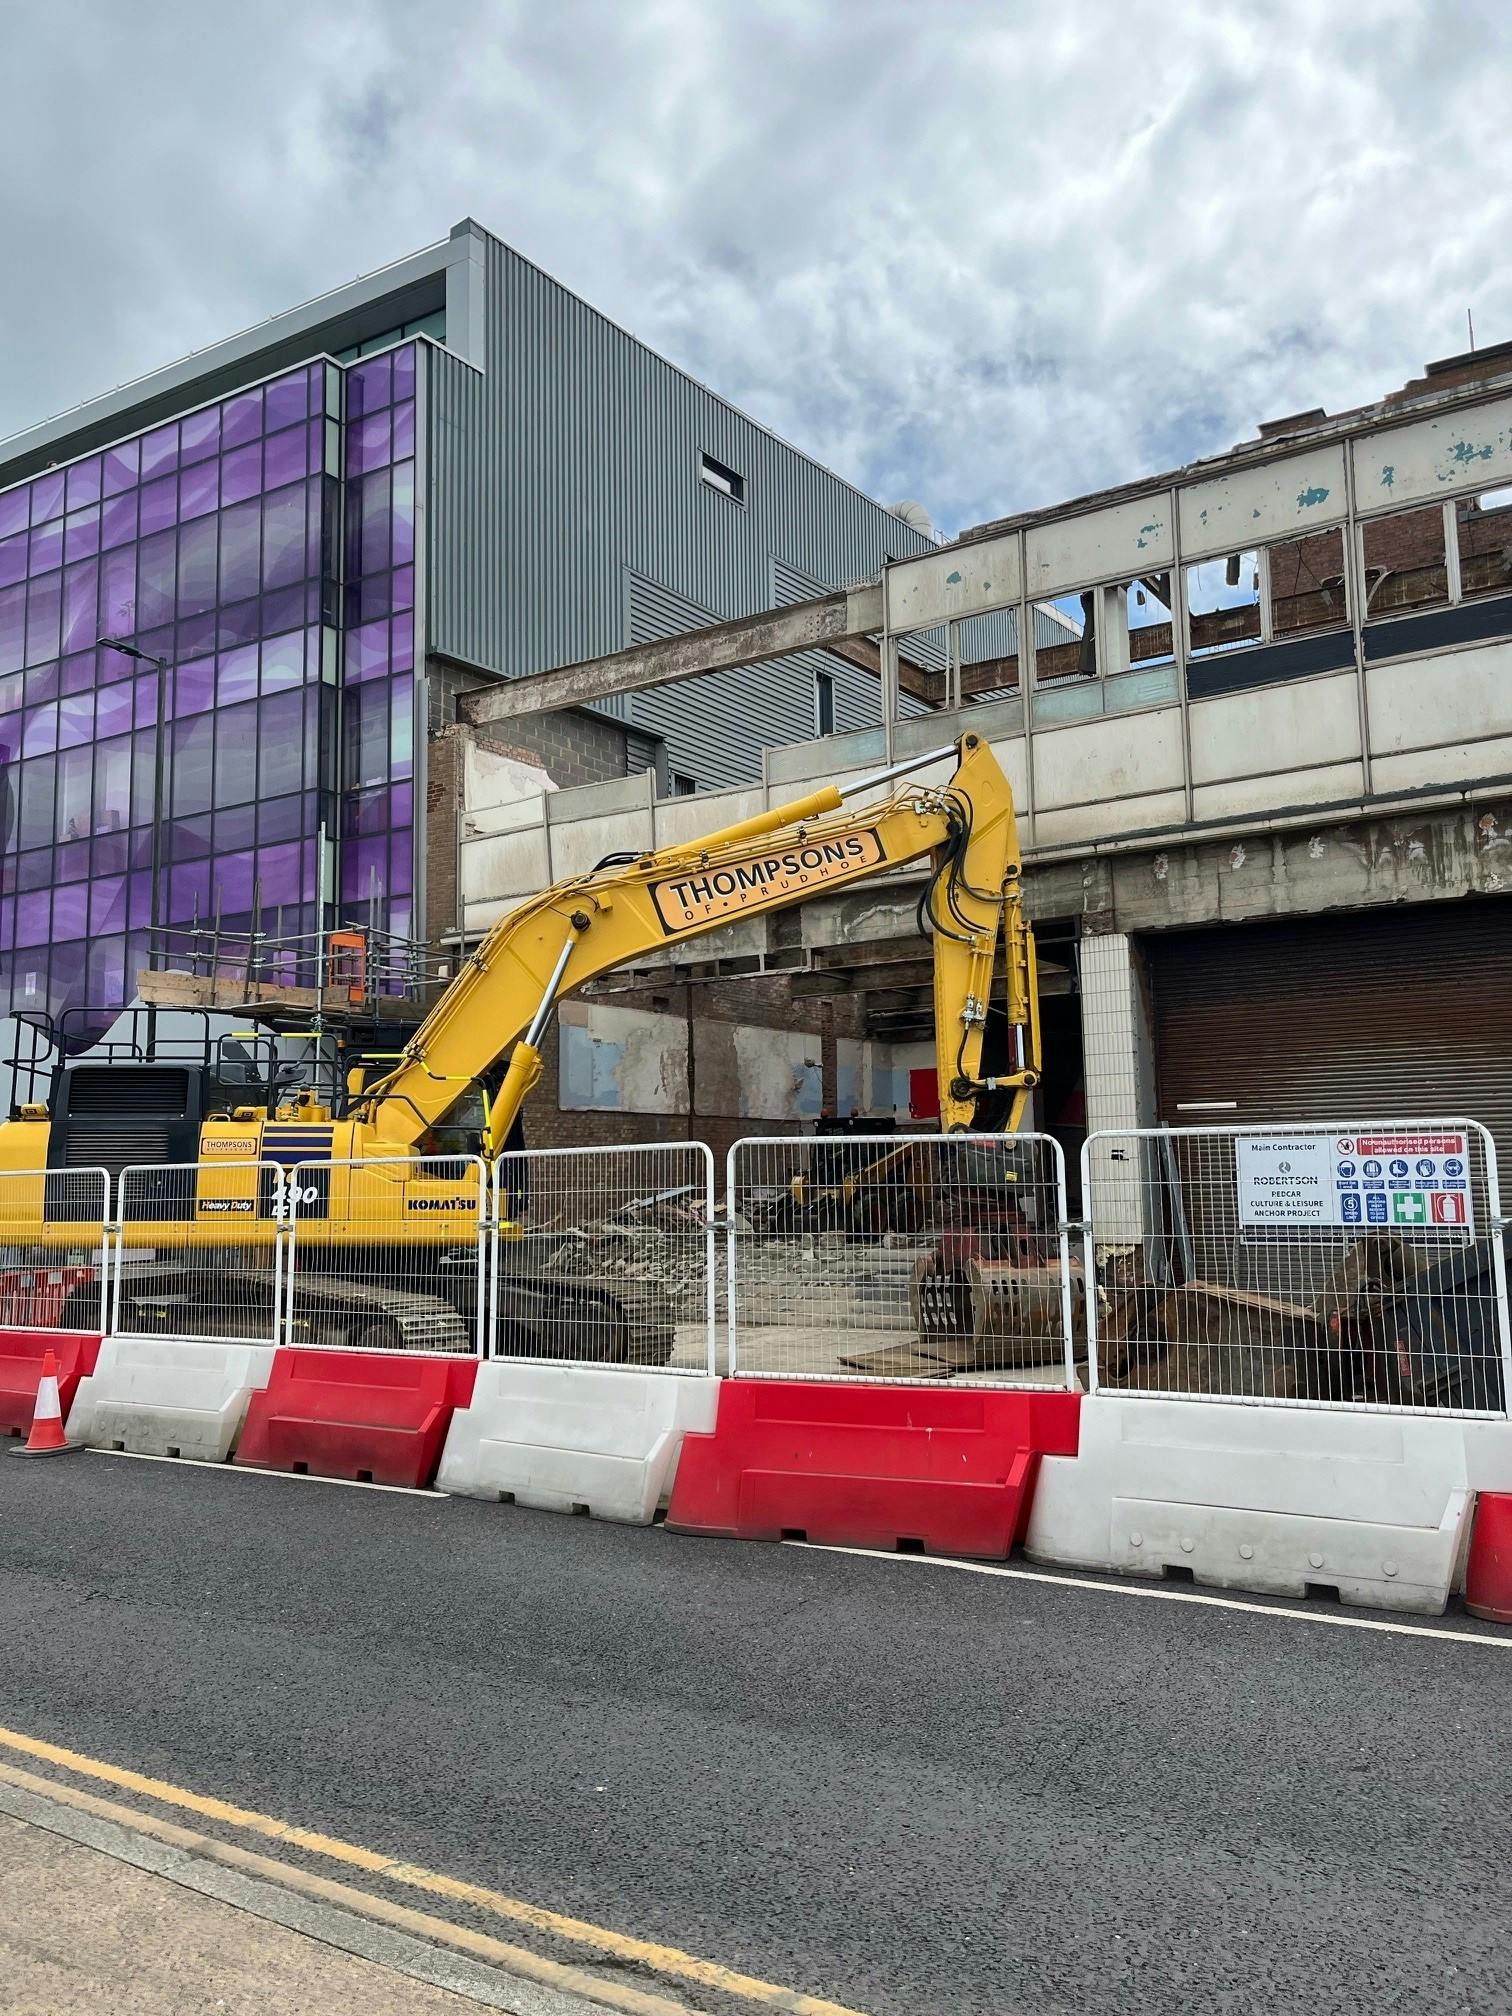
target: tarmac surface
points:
(875, 1779)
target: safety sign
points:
(1410, 1182)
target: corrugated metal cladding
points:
(1398, 1013)
(714, 727)
(573, 458)
(640, 752)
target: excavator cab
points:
(140, 1093)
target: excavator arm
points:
(633, 905)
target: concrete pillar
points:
(1119, 1057)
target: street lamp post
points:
(159, 748)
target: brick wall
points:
(572, 747)
(443, 802)
(575, 747)
(763, 1000)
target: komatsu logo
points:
(725, 892)
(441, 1204)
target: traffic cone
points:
(47, 1437)
(1488, 1572)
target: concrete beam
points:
(842, 622)
(822, 983)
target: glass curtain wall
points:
(378, 740)
(211, 542)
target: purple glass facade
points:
(378, 741)
(211, 542)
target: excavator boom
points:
(634, 905)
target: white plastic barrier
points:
(169, 1396)
(1270, 1499)
(568, 1438)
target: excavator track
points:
(555, 1316)
(541, 1316)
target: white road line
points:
(1503, 1643)
(283, 1476)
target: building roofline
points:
(1395, 409)
(708, 390)
(96, 422)
(117, 412)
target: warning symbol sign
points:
(1356, 1179)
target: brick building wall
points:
(759, 1000)
(572, 747)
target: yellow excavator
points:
(227, 1163)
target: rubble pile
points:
(660, 1243)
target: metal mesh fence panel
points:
(54, 1257)
(607, 1255)
(388, 1253)
(199, 1252)
(902, 1258)
(1359, 1264)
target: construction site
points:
(778, 1078)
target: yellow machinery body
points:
(362, 1164)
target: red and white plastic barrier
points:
(368, 1416)
(1272, 1499)
(950, 1469)
(575, 1438)
(169, 1396)
(21, 1355)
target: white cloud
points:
(989, 257)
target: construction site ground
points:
(808, 1306)
(808, 1349)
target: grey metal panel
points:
(858, 694)
(575, 458)
(714, 727)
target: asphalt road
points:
(902, 1787)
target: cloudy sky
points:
(986, 253)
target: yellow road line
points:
(669, 1960)
(517, 1959)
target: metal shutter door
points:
(1403, 1011)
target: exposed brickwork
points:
(443, 802)
(572, 747)
(762, 1000)
(575, 747)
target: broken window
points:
(1403, 562)
(1483, 531)
(1307, 589)
(1223, 603)
(1148, 601)
(1065, 637)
